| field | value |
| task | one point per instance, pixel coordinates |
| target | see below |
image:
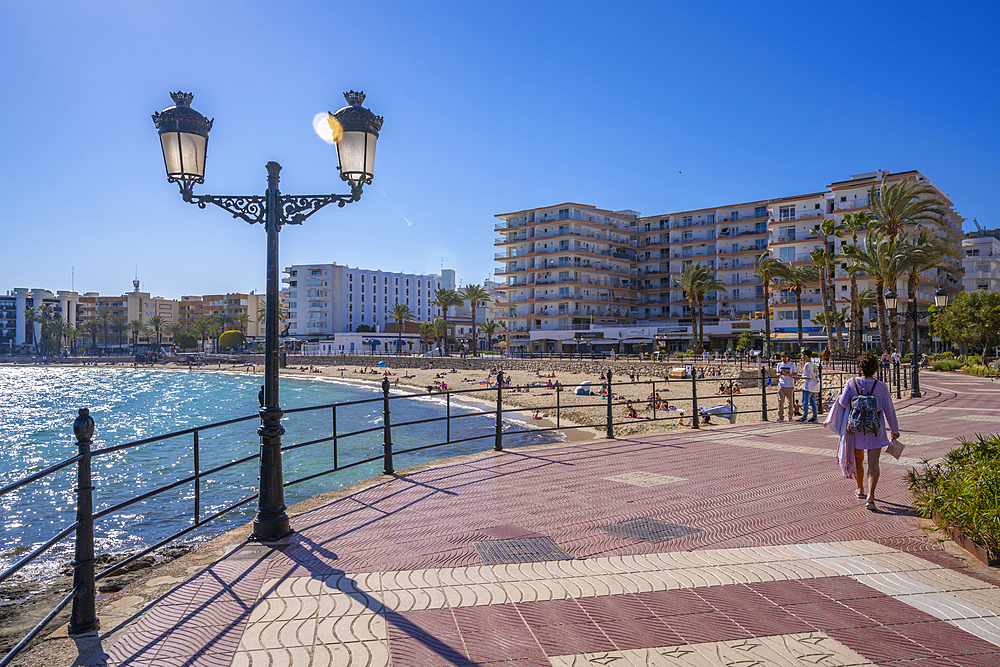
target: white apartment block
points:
(576, 267)
(981, 262)
(326, 299)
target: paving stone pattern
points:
(782, 565)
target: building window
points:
(786, 213)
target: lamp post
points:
(184, 141)
(940, 300)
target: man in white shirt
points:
(787, 372)
(810, 387)
(896, 357)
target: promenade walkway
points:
(737, 546)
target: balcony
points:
(509, 269)
(860, 202)
(513, 238)
(500, 226)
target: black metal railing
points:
(619, 412)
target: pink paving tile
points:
(501, 645)
(489, 618)
(829, 615)
(843, 588)
(788, 592)
(433, 622)
(920, 662)
(573, 638)
(430, 652)
(879, 644)
(615, 608)
(640, 633)
(945, 639)
(888, 611)
(552, 612)
(739, 596)
(185, 641)
(991, 659)
(673, 603)
(711, 627)
(767, 621)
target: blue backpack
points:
(864, 418)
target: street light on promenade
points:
(184, 140)
(940, 300)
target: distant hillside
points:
(995, 233)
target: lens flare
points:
(327, 127)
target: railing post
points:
(557, 404)
(609, 421)
(898, 392)
(386, 428)
(84, 616)
(694, 397)
(197, 479)
(654, 400)
(498, 438)
(334, 418)
(763, 393)
(819, 397)
(447, 421)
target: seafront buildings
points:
(578, 277)
(981, 261)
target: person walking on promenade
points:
(810, 386)
(787, 373)
(860, 423)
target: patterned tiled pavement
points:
(758, 553)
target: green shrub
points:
(946, 365)
(964, 489)
(186, 342)
(976, 369)
(940, 356)
(907, 357)
(230, 339)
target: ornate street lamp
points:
(184, 140)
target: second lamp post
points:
(184, 140)
(940, 300)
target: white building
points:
(981, 262)
(327, 299)
(13, 325)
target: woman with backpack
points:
(857, 417)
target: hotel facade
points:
(570, 269)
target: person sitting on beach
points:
(630, 411)
(722, 388)
(536, 415)
(736, 389)
(797, 408)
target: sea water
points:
(38, 406)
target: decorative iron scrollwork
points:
(294, 209)
(252, 208)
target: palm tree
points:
(879, 257)
(441, 333)
(57, 330)
(44, 315)
(157, 323)
(104, 317)
(241, 321)
(223, 320)
(30, 317)
(923, 250)
(177, 329)
(403, 314)
(839, 320)
(93, 327)
(795, 278)
(709, 284)
(72, 333)
(477, 296)
(864, 302)
(855, 222)
(830, 227)
(445, 299)
(895, 206)
(692, 278)
(202, 324)
(819, 255)
(137, 328)
(426, 332)
(489, 327)
(767, 268)
(119, 326)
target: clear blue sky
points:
(489, 108)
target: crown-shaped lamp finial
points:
(182, 99)
(355, 97)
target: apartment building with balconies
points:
(570, 266)
(565, 267)
(981, 261)
(327, 299)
